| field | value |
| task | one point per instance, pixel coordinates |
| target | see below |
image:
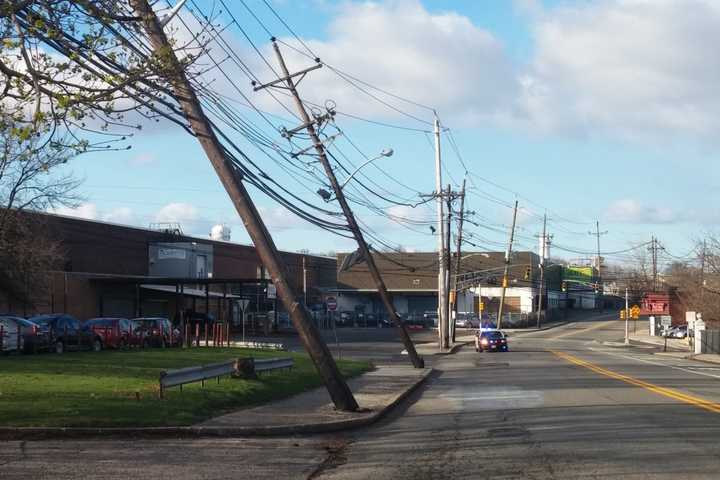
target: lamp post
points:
(327, 196)
(387, 152)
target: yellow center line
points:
(575, 332)
(667, 392)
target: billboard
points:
(578, 274)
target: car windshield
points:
(493, 335)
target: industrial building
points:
(412, 279)
(116, 270)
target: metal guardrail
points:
(268, 364)
(240, 367)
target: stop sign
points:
(331, 303)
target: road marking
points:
(667, 365)
(575, 332)
(667, 392)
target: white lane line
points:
(656, 363)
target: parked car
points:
(112, 332)
(63, 332)
(681, 331)
(35, 339)
(491, 341)
(11, 337)
(465, 320)
(157, 332)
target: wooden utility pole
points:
(442, 317)
(447, 307)
(702, 275)
(174, 73)
(458, 255)
(654, 249)
(508, 253)
(597, 233)
(309, 125)
(543, 249)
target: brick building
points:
(111, 269)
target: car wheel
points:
(97, 345)
(59, 347)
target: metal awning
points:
(189, 292)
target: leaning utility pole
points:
(442, 316)
(309, 125)
(173, 71)
(543, 249)
(458, 257)
(508, 252)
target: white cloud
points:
(121, 215)
(278, 218)
(634, 69)
(177, 212)
(142, 159)
(86, 210)
(632, 211)
(436, 59)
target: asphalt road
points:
(570, 402)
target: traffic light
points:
(505, 282)
(528, 271)
(563, 286)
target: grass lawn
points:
(101, 389)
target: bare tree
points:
(30, 179)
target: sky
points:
(585, 111)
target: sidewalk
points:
(713, 358)
(677, 344)
(376, 392)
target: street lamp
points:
(387, 152)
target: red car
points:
(112, 332)
(157, 332)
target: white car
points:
(11, 338)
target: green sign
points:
(578, 274)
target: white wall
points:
(466, 301)
(526, 295)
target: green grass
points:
(101, 389)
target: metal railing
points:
(240, 367)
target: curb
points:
(533, 330)
(42, 433)
(658, 345)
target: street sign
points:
(635, 312)
(271, 291)
(331, 303)
(665, 320)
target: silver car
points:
(11, 334)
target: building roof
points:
(418, 271)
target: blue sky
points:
(574, 108)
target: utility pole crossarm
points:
(173, 71)
(309, 125)
(276, 83)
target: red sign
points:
(655, 304)
(331, 303)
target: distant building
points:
(412, 279)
